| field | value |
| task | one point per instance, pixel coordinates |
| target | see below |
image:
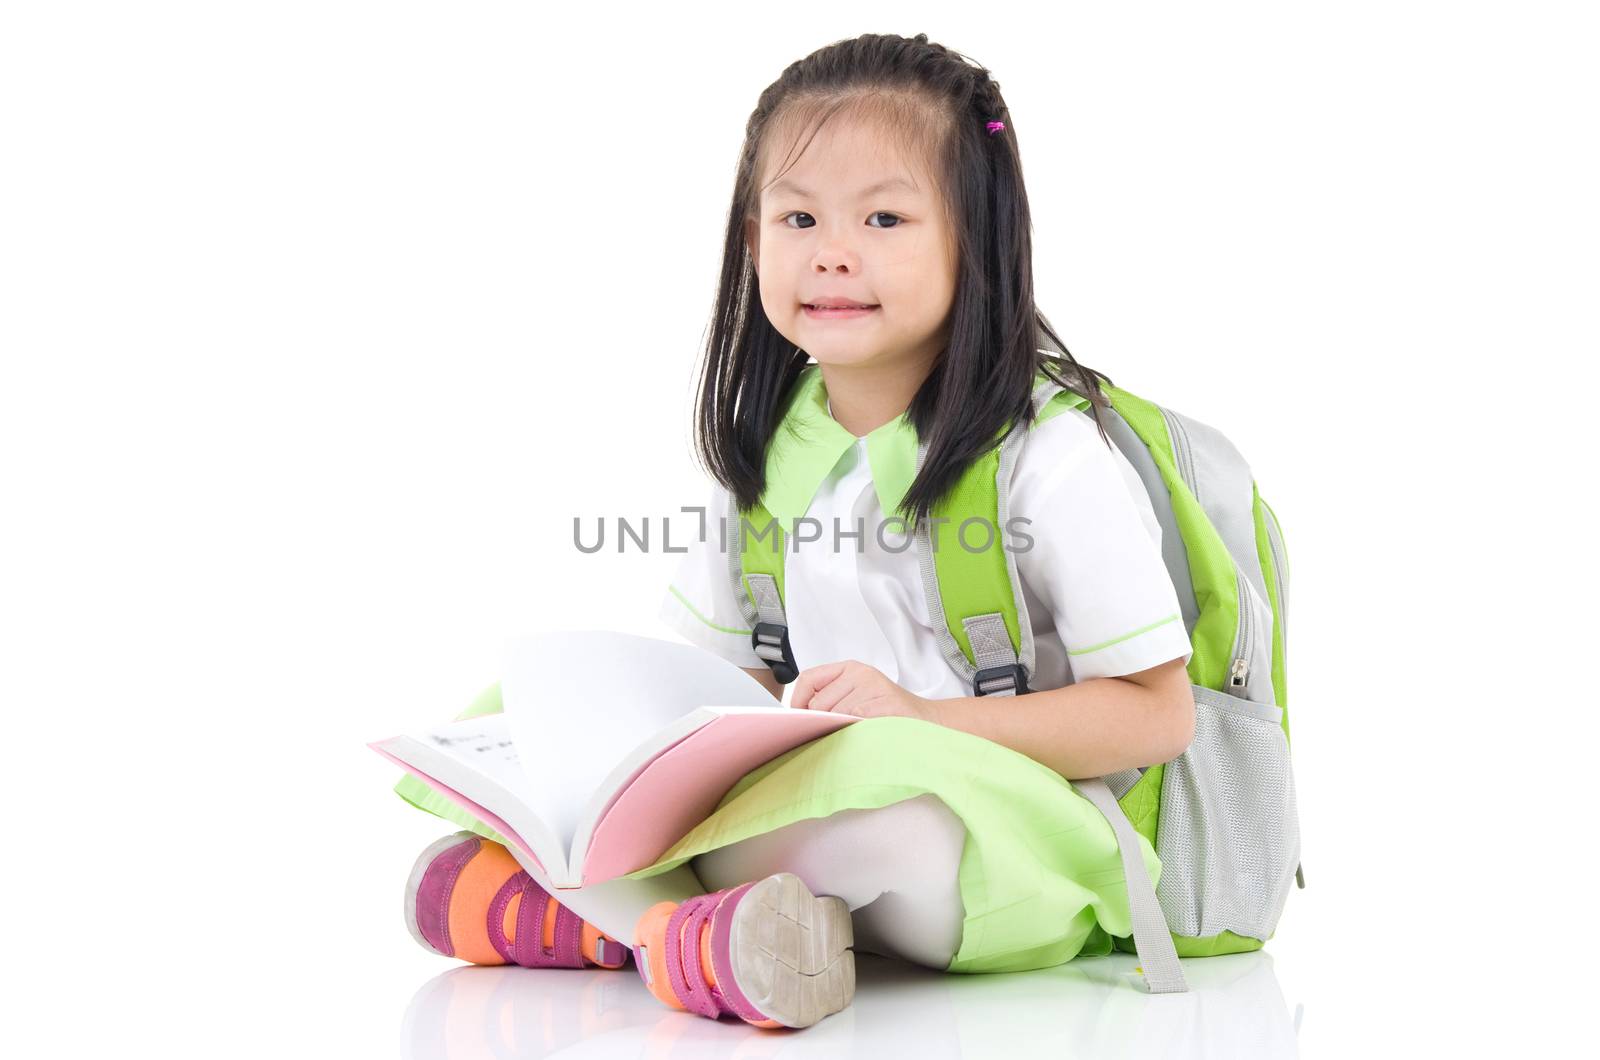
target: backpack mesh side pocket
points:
(1228, 834)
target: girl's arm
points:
(1088, 729)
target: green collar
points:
(809, 442)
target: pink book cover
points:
(681, 787)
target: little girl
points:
(879, 226)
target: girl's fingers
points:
(852, 702)
(836, 691)
(811, 679)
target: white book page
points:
(484, 744)
(580, 701)
(478, 758)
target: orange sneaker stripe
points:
(705, 955)
(475, 887)
(651, 932)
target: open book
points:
(610, 748)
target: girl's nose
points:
(836, 251)
(837, 259)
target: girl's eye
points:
(876, 213)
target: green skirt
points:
(1041, 879)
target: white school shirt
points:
(1096, 589)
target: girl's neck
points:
(862, 398)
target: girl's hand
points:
(851, 687)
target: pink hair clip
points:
(996, 126)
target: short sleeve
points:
(699, 602)
(1095, 557)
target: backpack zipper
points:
(1183, 460)
(1239, 671)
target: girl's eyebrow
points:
(882, 185)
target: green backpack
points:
(1222, 816)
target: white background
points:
(320, 323)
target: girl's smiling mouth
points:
(842, 312)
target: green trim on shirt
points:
(720, 629)
(1125, 636)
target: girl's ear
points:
(752, 242)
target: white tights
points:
(897, 868)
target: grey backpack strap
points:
(769, 633)
(1163, 974)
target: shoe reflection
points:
(1091, 1007)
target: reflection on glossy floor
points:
(1092, 1007)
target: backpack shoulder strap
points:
(970, 577)
(754, 547)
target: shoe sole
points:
(414, 884)
(791, 951)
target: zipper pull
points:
(1240, 669)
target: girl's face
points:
(854, 221)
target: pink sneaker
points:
(768, 952)
(468, 898)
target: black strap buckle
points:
(1000, 679)
(771, 642)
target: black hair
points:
(935, 100)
